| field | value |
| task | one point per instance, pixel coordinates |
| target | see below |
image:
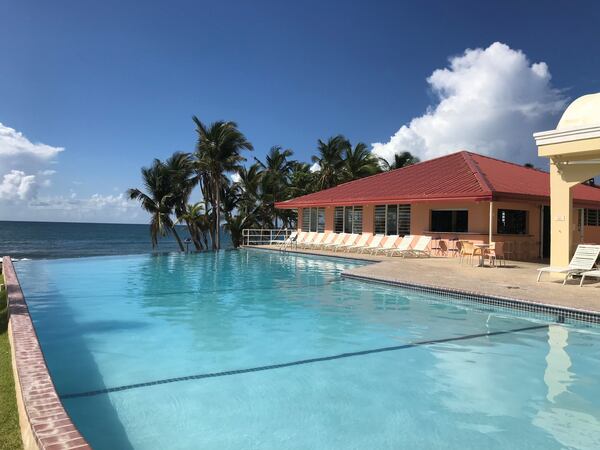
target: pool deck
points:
(516, 281)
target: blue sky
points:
(115, 84)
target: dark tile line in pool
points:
(304, 361)
(561, 313)
(49, 426)
(309, 253)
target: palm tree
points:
(182, 179)
(359, 162)
(158, 200)
(400, 160)
(198, 224)
(275, 180)
(235, 225)
(217, 153)
(330, 161)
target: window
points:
(403, 220)
(338, 219)
(348, 219)
(592, 217)
(321, 220)
(449, 221)
(512, 221)
(313, 219)
(305, 219)
(392, 219)
(357, 218)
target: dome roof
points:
(582, 113)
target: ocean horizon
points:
(51, 240)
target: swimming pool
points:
(259, 350)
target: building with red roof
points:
(463, 195)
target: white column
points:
(491, 224)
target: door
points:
(545, 231)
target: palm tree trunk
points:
(194, 236)
(217, 211)
(178, 239)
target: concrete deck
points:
(517, 280)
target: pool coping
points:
(43, 420)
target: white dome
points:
(582, 113)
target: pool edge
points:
(519, 304)
(43, 420)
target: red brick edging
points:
(48, 426)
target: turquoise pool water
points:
(259, 350)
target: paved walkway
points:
(517, 280)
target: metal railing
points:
(264, 236)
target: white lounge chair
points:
(283, 242)
(300, 238)
(373, 245)
(316, 242)
(349, 242)
(403, 246)
(583, 260)
(389, 244)
(589, 273)
(338, 241)
(421, 248)
(362, 242)
(310, 237)
(328, 240)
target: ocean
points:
(49, 240)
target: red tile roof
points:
(458, 176)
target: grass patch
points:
(10, 434)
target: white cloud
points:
(315, 168)
(488, 101)
(25, 176)
(235, 177)
(95, 208)
(18, 152)
(22, 164)
(16, 185)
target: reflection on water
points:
(565, 415)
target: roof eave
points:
(389, 200)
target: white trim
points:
(560, 136)
(491, 224)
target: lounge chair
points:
(300, 238)
(362, 242)
(349, 243)
(420, 248)
(283, 242)
(389, 245)
(589, 273)
(308, 238)
(403, 246)
(583, 260)
(374, 245)
(338, 241)
(316, 241)
(328, 240)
